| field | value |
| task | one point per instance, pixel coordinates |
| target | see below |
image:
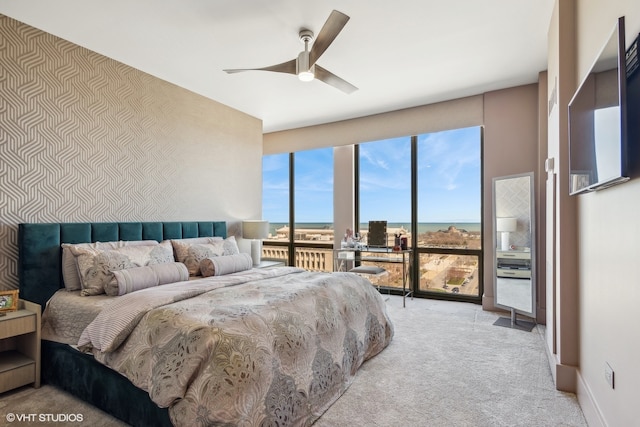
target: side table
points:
(20, 347)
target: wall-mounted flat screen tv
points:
(598, 121)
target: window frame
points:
(414, 272)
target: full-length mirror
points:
(513, 215)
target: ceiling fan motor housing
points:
(302, 64)
(304, 71)
(306, 37)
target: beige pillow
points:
(181, 246)
(70, 275)
(96, 267)
(192, 251)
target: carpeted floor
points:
(448, 365)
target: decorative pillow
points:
(197, 253)
(181, 246)
(230, 246)
(134, 279)
(220, 265)
(70, 265)
(96, 267)
(193, 252)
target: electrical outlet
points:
(608, 375)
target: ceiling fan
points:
(304, 66)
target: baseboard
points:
(551, 358)
(588, 404)
(566, 378)
(488, 303)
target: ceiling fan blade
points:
(328, 33)
(288, 67)
(331, 79)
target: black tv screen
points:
(597, 121)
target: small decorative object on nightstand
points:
(20, 346)
(8, 301)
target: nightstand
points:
(20, 347)
(269, 264)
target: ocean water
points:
(423, 227)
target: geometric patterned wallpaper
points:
(513, 200)
(86, 138)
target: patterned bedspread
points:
(269, 347)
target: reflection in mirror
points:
(513, 215)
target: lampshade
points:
(255, 229)
(506, 224)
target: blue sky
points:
(448, 180)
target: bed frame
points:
(40, 274)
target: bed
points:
(256, 347)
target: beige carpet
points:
(448, 365)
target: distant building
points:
(327, 235)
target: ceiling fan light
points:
(306, 76)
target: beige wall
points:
(608, 293)
(85, 138)
(343, 193)
(561, 252)
(458, 113)
(510, 148)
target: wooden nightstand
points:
(20, 347)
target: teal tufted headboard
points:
(40, 254)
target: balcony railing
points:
(312, 259)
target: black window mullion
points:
(292, 217)
(414, 272)
(356, 190)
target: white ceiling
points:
(399, 54)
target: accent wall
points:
(86, 138)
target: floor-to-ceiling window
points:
(313, 209)
(298, 203)
(384, 194)
(275, 205)
(429, 190)
(448, 213)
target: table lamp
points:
(505, 226)
(256, 230)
